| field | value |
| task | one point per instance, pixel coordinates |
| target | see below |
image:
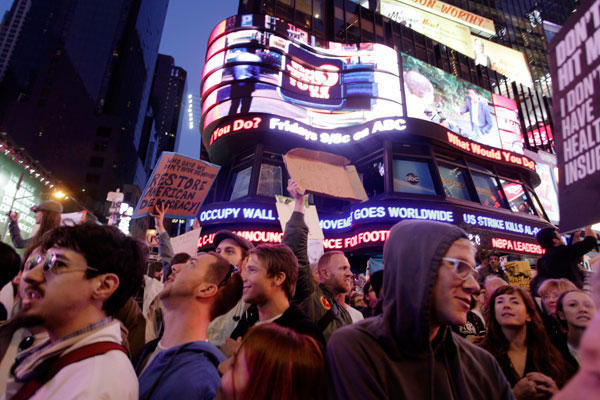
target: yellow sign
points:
(519, 273)
(453, 35)
(456, 14)
(504, 60)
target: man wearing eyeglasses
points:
(83, 275)
(410, 351)
(183, 364)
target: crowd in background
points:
(87, 316)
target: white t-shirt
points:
(354, 313)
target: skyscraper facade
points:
(76, 86)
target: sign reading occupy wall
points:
(575, 67)
(179, 183)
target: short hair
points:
(223, 274)
(556, 285)
(180, 258)
(10, 262)
(545, 237)
(280, 362)
(326, 258)
(108, 250)
(494, 254)
(278, 258)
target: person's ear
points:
(561, 315)
(105, 286)
(279, 278)
(206, 290)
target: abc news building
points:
(426, 143)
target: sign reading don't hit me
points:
(575, 66)
(179, 183)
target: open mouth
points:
(507, 315)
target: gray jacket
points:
(390, 356)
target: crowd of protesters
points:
(86, 316)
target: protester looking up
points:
(182, 364)
(493, 267)
(270, 277)
(47, 216)
(560, 260)
(409, 352)
(516, 337)
(317, 301)
(84, 274)
(575, 310)
(275, 362)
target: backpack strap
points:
(58, 363)
(326, 319)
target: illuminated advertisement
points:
(509, 126)
(504, 60)
(28, 195)
(437, 96)
(453, 35)
(260, 64)
(445, 10)
(547, 191)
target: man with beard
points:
(335, 277)
(183, 365)
(82, 276)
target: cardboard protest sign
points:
(324, 174)
(519, 273)
(186, 243)
(178, 182)
(285, 208)
(575, 66)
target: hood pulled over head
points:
(412, 256)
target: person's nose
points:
(470, 285)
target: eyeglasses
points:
(461, 268)
(232, 270)
(53, 264)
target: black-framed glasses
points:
(461, 268)
(54, 264)
(232, 270)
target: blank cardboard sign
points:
(324, 174)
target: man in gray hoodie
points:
(409, 352)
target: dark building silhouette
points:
(76, 87)
(164, 115)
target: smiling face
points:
(511, 311)
(56, 298)
(452, 295)
(578, 309)
(258, 285)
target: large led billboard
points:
(29, 193)
(263, 74)
(261, 64)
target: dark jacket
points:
(487, 271)
(15, 235)
(293, 318)
(390, 356)
(188, 372)
(562, 262)
(165, 251)
(315, 300)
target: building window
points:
(454, 182)
(372, 176)
(269, 181)
(96, 162)
(488, 190)
(103, 131)
(92, 178)
(241, 183)
(413, 177)
(517, 197)
(101, 146)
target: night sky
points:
(185, 33)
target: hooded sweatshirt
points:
(390, 355)
(189, 371)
